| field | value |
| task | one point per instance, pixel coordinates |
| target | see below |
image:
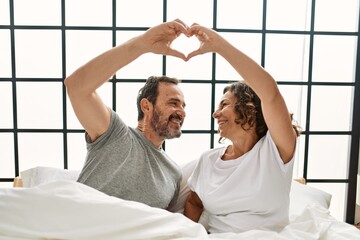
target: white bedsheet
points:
(70, 210)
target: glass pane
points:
(7, 156)
(240, 14)
(76, 150)
(338, 197)
(5, 56)
(38, 53)
(135, 13)
(287, 56)
(198, 106)
(198, 67)
(331, 108)
(178, 148)
(288, 15)
(126, 95)
(40, 149)
(39, 105)
(84, 45)
(249, 43)
(330, 151)
(296, 99)
(298, 170)
(334, 58)
(89, 13)
(188, 11)
(105, 92)
(185, 45)
(143, 67)
(335, 15)
(43, 12)
(6, 105)
(4, 12)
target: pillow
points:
(302, 195)
(39, 175)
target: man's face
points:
(168, 113)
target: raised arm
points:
(82, 84)
(273, 105)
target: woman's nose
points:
(215, 114)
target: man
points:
(125, 162)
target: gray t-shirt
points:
(124, 164)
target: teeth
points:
(176, 121)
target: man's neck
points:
(150, 135)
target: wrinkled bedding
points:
(70, 210)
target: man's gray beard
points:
(162, 129)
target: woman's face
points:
(226, 116)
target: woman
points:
(245, 185)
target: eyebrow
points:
(222, 101)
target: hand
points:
(158, 39)
(209, 40)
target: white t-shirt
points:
(250, 192)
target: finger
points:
(178, 27)
(185, 25)
(181, 22)
(194, 29)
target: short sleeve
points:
(117, 129)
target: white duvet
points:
(71, 210)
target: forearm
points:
(253, 74)
(99, 70)
(192, 211)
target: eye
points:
(222, 105)
(173, 103)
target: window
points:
(310, 47)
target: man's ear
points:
(146, 106)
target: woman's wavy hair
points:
(248, 109)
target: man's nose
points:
(182, 112)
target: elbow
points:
(73, 86)
(68, 82)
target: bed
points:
(48, 203)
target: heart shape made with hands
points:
(185, 44)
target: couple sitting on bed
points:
(242, 186)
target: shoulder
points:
(117, 130)
(213, 151)
(212, 154)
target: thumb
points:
(193, 54)
(175, 53)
